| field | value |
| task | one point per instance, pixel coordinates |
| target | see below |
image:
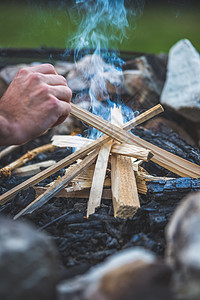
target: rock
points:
(181, 91)
(80, 76)
(8, 73)
(63, 68)
(156, 123)
(141, 83)
(131, 274)
(183, 247)
(28, 262)
(105, 84)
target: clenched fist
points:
(37, 99)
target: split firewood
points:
(141, 185)
(33, 169)
(8, 150)
(100, 168)
(162, 157)
(65, 193)
(72, 141)
(131, 151)
(82, 189)
(124, 188)
(6, 171)
(76, 155)
(59, 185)
(123, 183)
(136, 163)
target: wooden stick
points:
(59, 185)
(8, 150)
(84, 190)
(64, 141)
(123, 186)
(33, 169)
(100, 169)
(164, 158)
(74, 156)
(141, 184)
(73, 194)
(131, 151)
(6, 171)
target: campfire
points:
(114, 192)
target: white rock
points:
(181, 91)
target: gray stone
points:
(130, 274)
(80, 76)
(181, 91)
(183, 247)
(141, 83)
(63, 68)
(28, 263)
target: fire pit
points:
(162, 182)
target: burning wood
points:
(6, 171)
(76, 155)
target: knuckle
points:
(53, 103)
(23, 72)
(50, 68)
(35, 77)
(45, 90)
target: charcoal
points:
(142, 240)
(172, 189)
(28, 264)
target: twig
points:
(33, 169)
(6, 171)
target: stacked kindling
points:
(119, 150)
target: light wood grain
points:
(131, 151)
(58, 185)
(101, 167)
(76, 155)
(123, 186)
(162, 157)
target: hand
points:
(37, 99)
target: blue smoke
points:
(102, 25)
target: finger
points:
(61, 92)
(64, 110)
(54, 79)
(44, 69)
